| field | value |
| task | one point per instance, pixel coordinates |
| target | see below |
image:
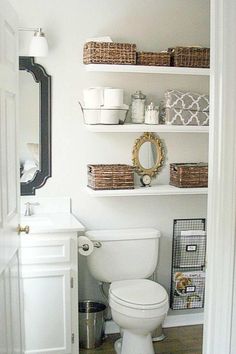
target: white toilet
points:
(138, 305)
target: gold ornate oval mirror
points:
(148, 155)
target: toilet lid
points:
(140, 292)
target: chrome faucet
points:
(28, 208)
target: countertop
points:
(52, 223)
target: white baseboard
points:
(111, 327)
(170, 321)
(183, 320)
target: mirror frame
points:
(40, 76)
(148, 137)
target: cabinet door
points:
(35, 251)
(47, 311)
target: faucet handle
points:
(29, 203)
(28, 211)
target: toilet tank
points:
(124, 254)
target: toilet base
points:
(134, 343)
(117, 346)
(159, 338)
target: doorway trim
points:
(220, 296)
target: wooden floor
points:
(180, 340)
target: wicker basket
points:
(118, 176)
(109, 53)
(189, 175)
(153, 59)
(192, 57)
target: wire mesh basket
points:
(190, 249)
(188, 290)
(188, 262)
(104, 115)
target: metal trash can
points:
(91, 324)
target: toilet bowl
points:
(138, 307)
(125, 258)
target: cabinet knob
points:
(24, 229)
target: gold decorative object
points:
(157, 152)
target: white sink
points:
(51, 222)
(36, 220)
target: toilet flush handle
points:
(97, 244)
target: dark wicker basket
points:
(189, 175)
(109, 53)
(153, 59)
(192, 57)
(101, 177)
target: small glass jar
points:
(152, 114)
(138, 107)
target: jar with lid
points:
(138, 107)
(152, 114)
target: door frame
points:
(221, 248)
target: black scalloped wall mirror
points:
(34, 125)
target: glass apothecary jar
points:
(152, 114)
(138, 107)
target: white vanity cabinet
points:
(49, 281)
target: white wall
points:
(152, 25)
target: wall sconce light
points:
(38, 45)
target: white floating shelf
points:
(135, 128)
(147, 69)
(147, 191)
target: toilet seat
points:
(138, 293)
(141, 298)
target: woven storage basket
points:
(110, 177)
(153, 59)
(109, 53)
(189, 175)
(193, 57)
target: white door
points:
(10, 335)
(47, 308)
